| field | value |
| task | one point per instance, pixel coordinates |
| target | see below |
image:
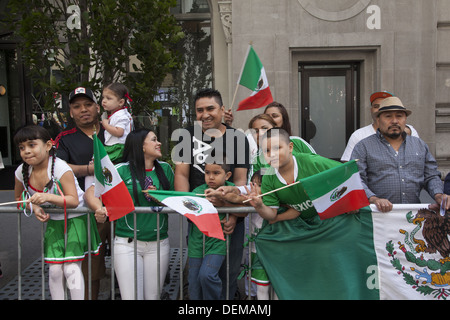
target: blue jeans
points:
(236, 250)
(203, 277)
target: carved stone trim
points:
(316, 11)
(225, 10)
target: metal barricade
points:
(140, 210)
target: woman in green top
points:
(141, 170)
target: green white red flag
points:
(336, 191)
(371, 255)
(197, 209)
(253, 76)
(109, 185)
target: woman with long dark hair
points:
(280, 115)
(141, 170)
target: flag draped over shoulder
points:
(109, 185)
(336, 191)
(400, 255)
(253, 77)
(197, 209)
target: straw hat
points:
(392, 104)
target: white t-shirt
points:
(61, 167)
(121, 119)
(363, 133)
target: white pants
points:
(146, 267)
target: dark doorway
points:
(329, 105)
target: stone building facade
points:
(323, 59)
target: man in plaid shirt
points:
(394, 166)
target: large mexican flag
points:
(197, 209)
(253, 76)
(109, 185)
(398, 255)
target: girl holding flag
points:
(45, 180)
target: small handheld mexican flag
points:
(336, 191)
(197, 209)
(109, 185)
(253, 76)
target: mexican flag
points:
(197, 209)
(253, 76)
(109, 185)
(399, 255)
(336, 191)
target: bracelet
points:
(87, 168)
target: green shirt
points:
(212, 245)
(305, 165)
(146, 222)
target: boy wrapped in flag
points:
(327, 259)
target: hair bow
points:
(128, 97)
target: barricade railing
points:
(147, 210)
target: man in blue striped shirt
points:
(394, 166)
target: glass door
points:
(328, 98)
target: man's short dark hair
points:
(277, 132)
(209, 93)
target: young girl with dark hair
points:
(118, 122)
(140, 170)
(45, 180)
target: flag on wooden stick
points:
(197, 209)
(336, 191)
(253, 77)
(109, 185)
